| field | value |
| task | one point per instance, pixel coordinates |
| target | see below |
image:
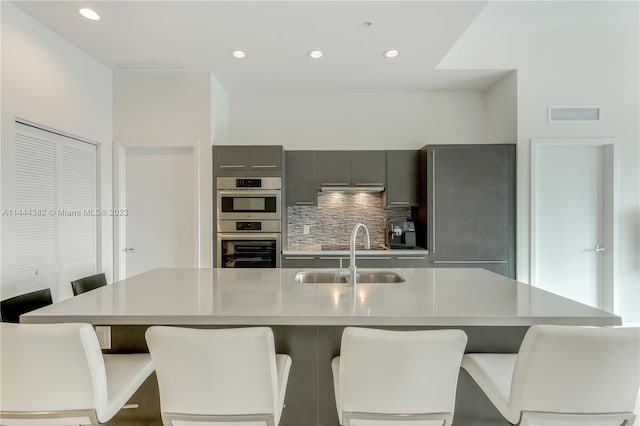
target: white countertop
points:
(451, 297)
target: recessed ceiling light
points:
(391, 53)
(89, 14)
(315, 54)
(239, 54)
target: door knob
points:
(130, 249)
(597, 248)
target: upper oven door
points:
(248, 204)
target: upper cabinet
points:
(334, 168)
(351, 168)
(401, 179)
(368, 168)
(249, 160)
(301, 178)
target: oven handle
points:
(246, 236)
(245, 192)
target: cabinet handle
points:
(300, 258)
(231, 167)
(304, 203)
(334, 184)
(369, 184)
(402, 203)
(264, 167)
(332, 258)
(470, 261)
(433, 201)
(411, 258)
(374, 258)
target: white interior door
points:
(571, 220)
(160, 197)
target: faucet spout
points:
(352, 251)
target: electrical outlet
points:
(104, 336)
(306, 229)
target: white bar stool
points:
(564, 375)
(55, 374)
(218, 376)
(388, 377)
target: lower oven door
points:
(248, 250)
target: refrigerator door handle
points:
(433, 201)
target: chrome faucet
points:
(352, 251)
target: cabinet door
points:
(401, 189)
(471, 193)
(368, 168)
(301, 178)
(334, 168)
(265, 158)
(230, 158)
(333, 262)
(372, 262)
(298, 262)
(410, 261)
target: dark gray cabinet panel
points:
(373, 262)
(265, 157)
(248, 160)
(230, 158)
(301, 178)
(368, 168)
(402, 179)
(334, 168)
(471, 204)
(411, 261)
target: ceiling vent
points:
(574, 113)
(168, 65)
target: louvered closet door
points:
(77, 204)
(56, 182)
(36, 193)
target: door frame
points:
(121, 200)
(610, 201)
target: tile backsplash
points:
(332, 220)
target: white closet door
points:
(36, 197)
(77, 204)
(56, 224)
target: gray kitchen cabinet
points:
(373, 262)
(411, 261)
(368, 168)
(301, 178)
(401, 187)
(470, 200)
(248, 160)
(334, 168)
(298, 262)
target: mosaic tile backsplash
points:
(332, 220)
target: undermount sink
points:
(342, 277)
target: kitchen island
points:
(307, 320)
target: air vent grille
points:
(574, 113)
(169, 65)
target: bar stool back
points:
(564, 375)
(55, 374)
(218, 376)
(383, 377)
(84, 284)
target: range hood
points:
(348, 188)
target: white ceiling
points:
(277, 35)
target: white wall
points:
(219, 112)
(48, 81)
(396, 120)
(587, 54)
(501, 121)
(162, 108)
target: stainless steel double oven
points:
(248, 222)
